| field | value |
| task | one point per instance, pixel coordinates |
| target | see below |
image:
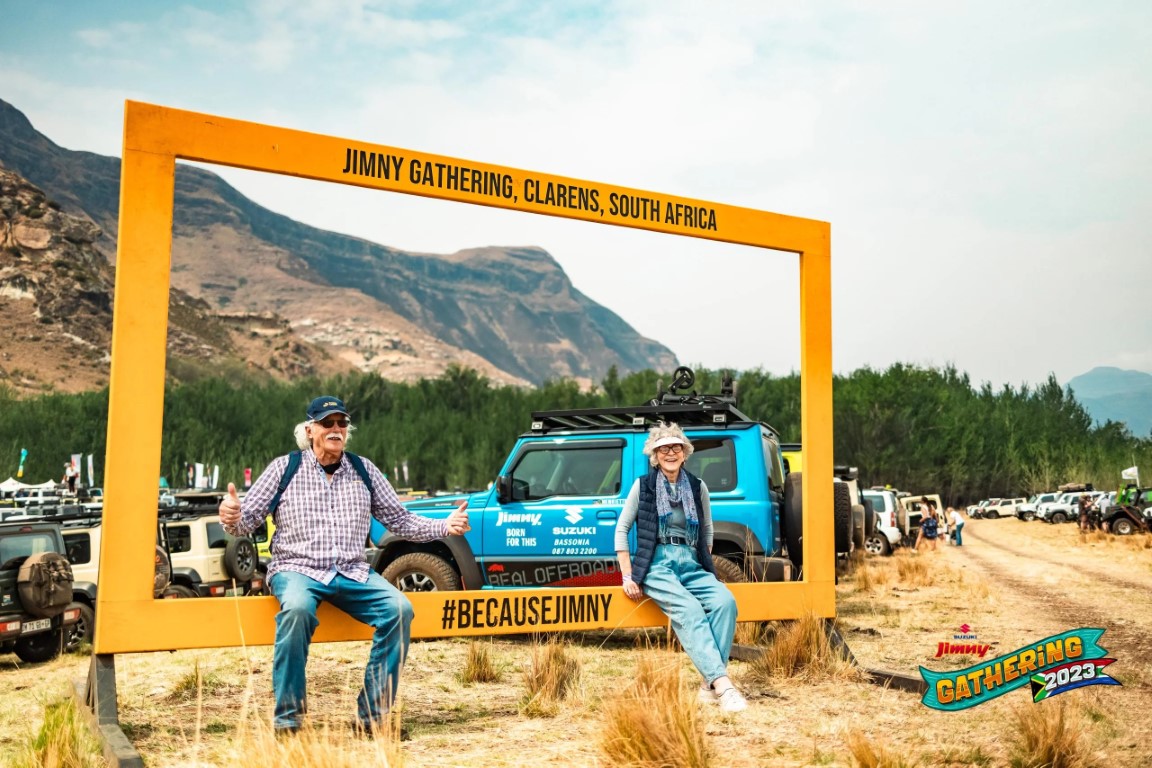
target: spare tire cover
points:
(45, 584)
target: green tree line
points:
(919, 429)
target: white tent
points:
(11, 486)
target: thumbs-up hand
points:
(458, 521)
(230, 507)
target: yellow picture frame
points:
(155, 137)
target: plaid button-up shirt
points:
(321, 524)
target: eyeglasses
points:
(329, 423)
(670, 449)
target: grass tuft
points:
(868, 754)
(1049, 736)
(869, 577)
(801, 649)
(63, 741)
(550, 677)
(913, 570)
(478, 666)
(195, 683)
(654, 721)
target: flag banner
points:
(1132, 473)
(199, 481)
(215, 476)
(23, 458)
(247, 477)
(91, 472)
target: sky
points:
(985, 165)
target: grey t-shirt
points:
(678, 525)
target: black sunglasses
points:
(329, 423)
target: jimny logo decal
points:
(1051, 666)
(966, 645)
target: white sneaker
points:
(706, 695)
(732, 701)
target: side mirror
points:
(509, 489)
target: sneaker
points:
(732, 701)
(706, 695)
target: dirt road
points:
(1013, 584)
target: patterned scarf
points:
(667, 495)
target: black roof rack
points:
(698, 413)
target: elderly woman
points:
(673, 561)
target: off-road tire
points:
(240, 558)
(1122, 526)
(869, 518)
(728, 571)
(178, 592)
(41, 647)
(81, 632)
(1059, 517)
(422, 572)
(793, 521)
(162, 575)
(858, 534)
(877, 544)
(993, 515)
(842, 516)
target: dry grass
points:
(870, 577)
(801, 649)
(478, 667)
(1049, 735)
(868, 754)
(315, 746)
(914, 569)
(63, 741)
(654, 721)
(553, 673)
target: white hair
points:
(304, 442)
(662, 430)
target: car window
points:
(217, 539)
(569, 471)
(12, 547)
(714, 462)
(180, 538)
(78, 548)
(879, 501)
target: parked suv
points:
(1027, 510)
(1065, 508)
(207, 561)
(1003, 508)
(82, 536)
(550, 517)
(36, 606)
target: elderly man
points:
(322, 514)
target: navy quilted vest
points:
(648, 526)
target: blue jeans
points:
(376, 603)
(701, 609)
(959, 539)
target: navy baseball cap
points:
(326, 405)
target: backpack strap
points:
(358, 465)
(294, 459)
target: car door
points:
(559, 528)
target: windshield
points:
(879, 501)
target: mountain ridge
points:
(510, 312)
(1115, 394)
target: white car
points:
(1066, 508)
(1002, 508)
(1027, 510)
(891, 522)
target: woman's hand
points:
(632, 589)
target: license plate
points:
(35, 626)
(235, 592)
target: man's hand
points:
(458, 521)
(230, 507)
(632, 589)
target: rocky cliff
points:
(511, 313)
